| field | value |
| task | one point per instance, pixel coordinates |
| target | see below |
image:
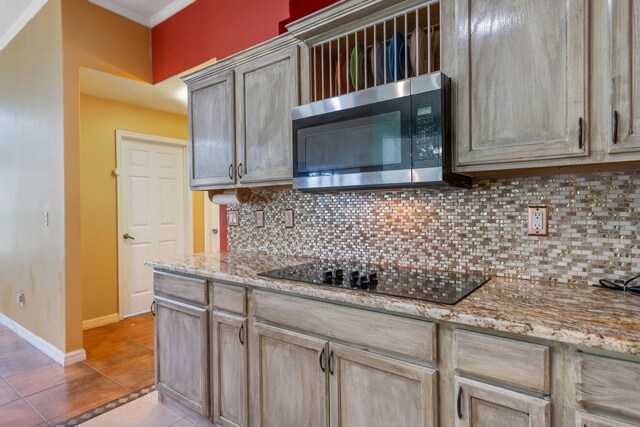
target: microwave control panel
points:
(427, 135)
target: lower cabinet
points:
(308, 381)
(292, 379)
(182, 353)
(371, 390)
(229, 370)
(483, 405)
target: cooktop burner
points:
(426, 285)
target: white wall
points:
(32, 177)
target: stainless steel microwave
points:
(391, 136)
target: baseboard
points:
(58, 356)
(100, 321)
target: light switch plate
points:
(538, 221)
(288, 218)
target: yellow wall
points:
(99, 120)
(32, 177)
(94, 38)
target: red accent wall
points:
(209, 29)
(223, 227)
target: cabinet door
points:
(625, 62)
(520, 80)
(229, 370)
(267, 89)
(377, 391)
(483, 405)
(211, 132)
(584, 419)
(292, 379)
(182, 354)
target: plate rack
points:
(395, 48)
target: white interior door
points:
(152, 212)
(211, 225)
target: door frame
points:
(122, 136)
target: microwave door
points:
(367, 145)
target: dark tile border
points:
(107, 407)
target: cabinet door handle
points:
(580, 133)
(240, 170)
(153, 308)
(241, 334)
(331, 363)
(321, 360)
(615, 127)
(231, 171)
(459, 405)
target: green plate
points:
(356, 63)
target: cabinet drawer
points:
(188, 289)
(512, 362)
(230, 298)
(409, 337)
(584, 419)
(608, 384)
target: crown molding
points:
(32, 10)
(168, 11)
(106, 4)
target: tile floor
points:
(36, 391)
(143, 412)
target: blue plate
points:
(397, 53)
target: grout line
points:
(35, 410)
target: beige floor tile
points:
(143, 412)
(184, 423)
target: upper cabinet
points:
(520, 79)
(211, 132)
(240, 118)
(625, 69)
(267, 89)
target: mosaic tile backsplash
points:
(594, 225)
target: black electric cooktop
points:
(413, 283)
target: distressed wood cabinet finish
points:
(230, 298)
(523, 365)
(240, 117)
(407, 337)
(625, 64)
(584, 419)
(520, 78)
(484, 405)
(182, 354)
(267, 89)
(211, 132)
(377, 391)
(229, 367)
(608, 384)
(292, 383)
(186, 289)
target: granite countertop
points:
(574, 314)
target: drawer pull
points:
(321, 360)
(153, 308)
(459, 405)
(331, 362)
(241, 334)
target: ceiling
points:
(169, 95)
(146, 12)
(14, 16)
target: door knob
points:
(214, 231)
(127, 236)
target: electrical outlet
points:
(288, 218)
(538, 221)
(20, 298)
